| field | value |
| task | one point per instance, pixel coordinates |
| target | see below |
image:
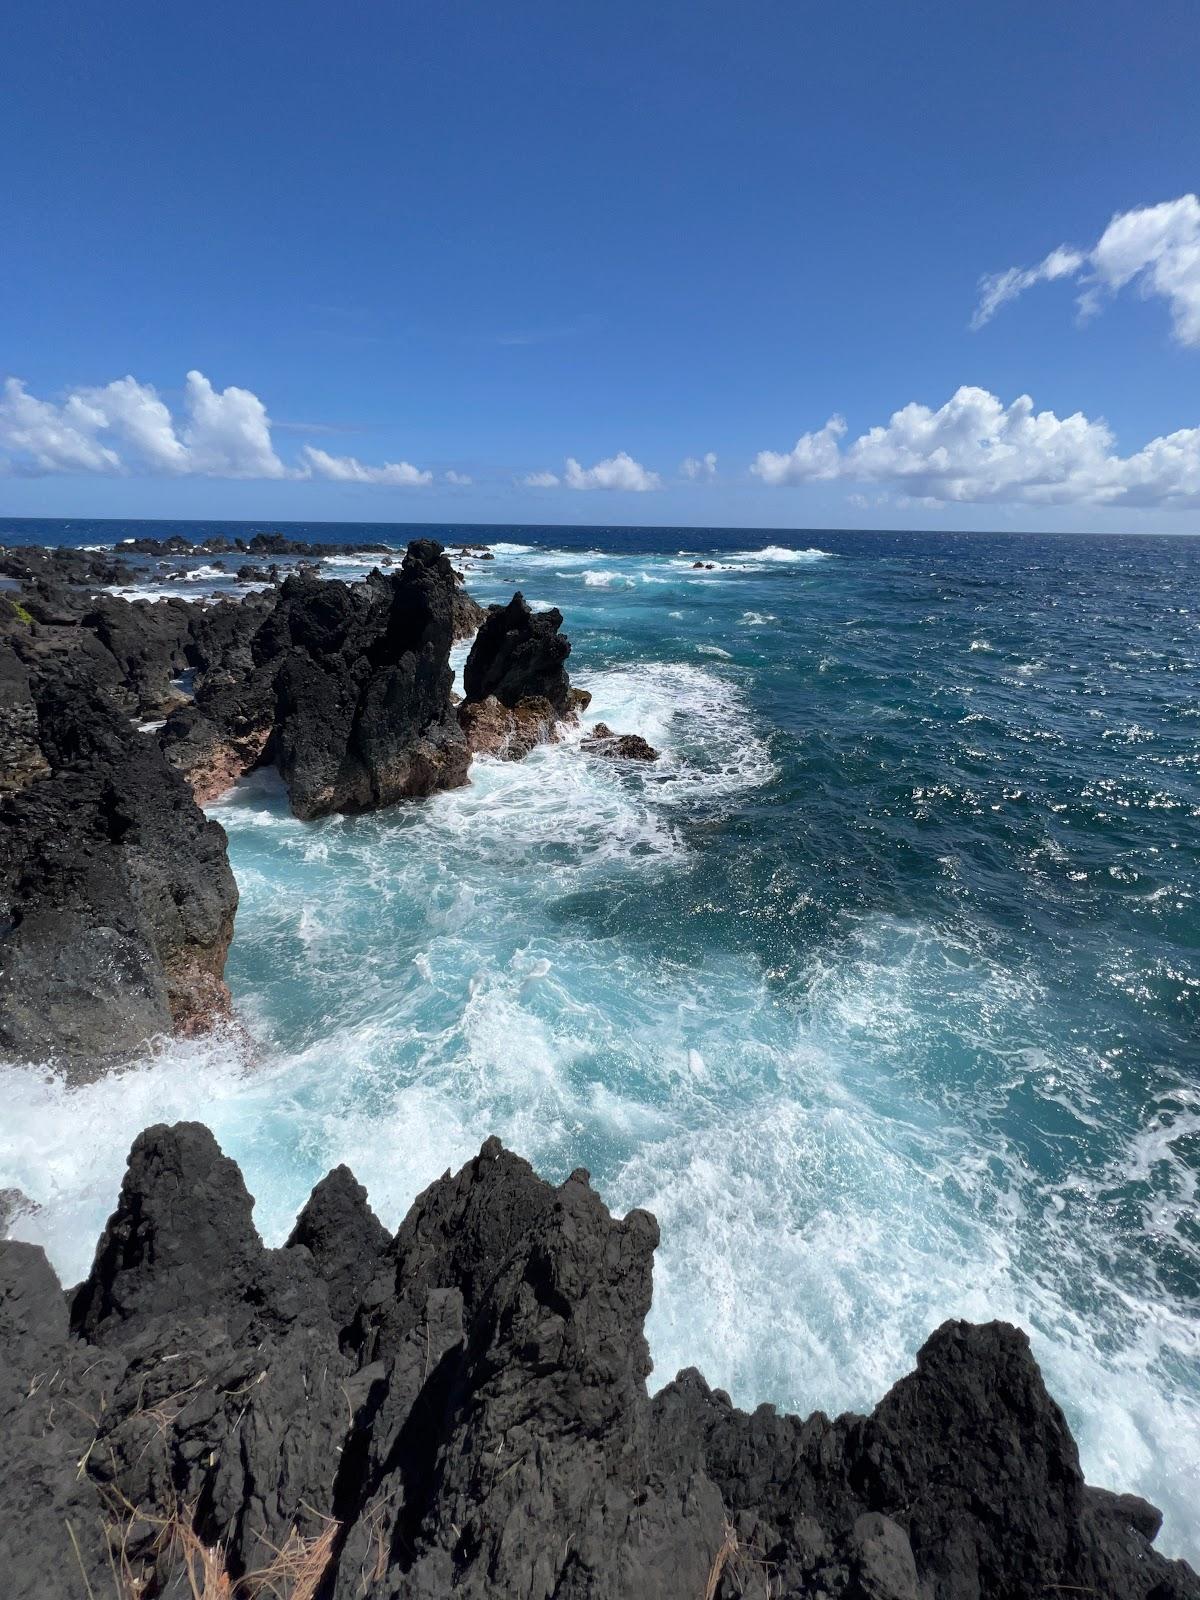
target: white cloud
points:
(976, 449)
(460, 478)
(815, 455)
(704, 466)
(229, 433)
(125, 427)
(998, 288)
(349, 469)
(615, 472)
(132, 412)
(1155, 247)
(50, 438)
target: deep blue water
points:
(881, 989)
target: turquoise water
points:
(881, 989)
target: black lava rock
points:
(519, 654)
(116, 897)
(462, 1410)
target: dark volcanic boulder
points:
(149, 642)
(116, 893)
(619, 746)
(519, 653)
(346, 691)
(462, 1410)
(61, 564)
(363, 715)
(517, 691)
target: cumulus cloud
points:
(1155, 248)
(976, 449)
(704, 466)
(50, 438)
(615, 472)
(349, 469)
(125, 427)
(228, 434)
(814, 455)
(460, 478)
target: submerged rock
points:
(620, 746)
(462, 1409)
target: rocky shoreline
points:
(462, 1409)
(116, 897)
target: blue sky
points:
(401, 246)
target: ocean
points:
(880, 989)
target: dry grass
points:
(739, 1568)
(292, 1572)
(295, 1571)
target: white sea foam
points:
(361, 560)
(529, 556)
(711, 747)
(713, 650)
(597, 579)
(810, 1192)
(135, 591)
(781, 554)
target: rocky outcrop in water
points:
(347, 693)
(461, 1409)
(60, 564)
(603, 741)
(116, 897)
(515, 683)
(261, 544)
(519, 653)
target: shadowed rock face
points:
(467, 1402)
(362, 712)
(517, 690)
(347, 692)
(519, 654)
(117, 897)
